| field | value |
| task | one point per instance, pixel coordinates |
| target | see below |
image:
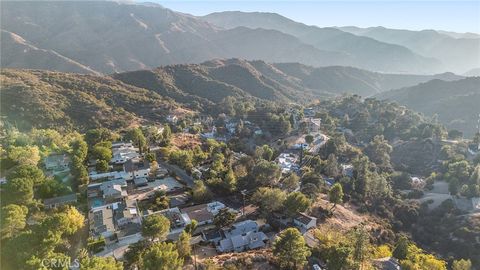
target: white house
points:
(304, 222)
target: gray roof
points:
(61, 199)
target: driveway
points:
(187, 179)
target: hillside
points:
(17, 53)
(457, 54)
(456, 102)
(368, 53)
(66, 101)
(338, 79)
(214, 80)
(105, 37)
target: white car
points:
(317, 267)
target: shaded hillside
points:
(457, 54)
(367, 53)
(336, 79)
(31, 98)
(17, 52)
(105, 36)
(212, 81)
(456, 102)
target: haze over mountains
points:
(456, 102)
(105, 37)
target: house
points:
(137, 167)
(242, 236)
(122, 152)
(387, 263)
(125, 213)
(212, 236)
(106, 192)
(287, 161)
(203, 213)
(116, 218)
(94, 176)
(140, 182)
(61, 200)
(57, 162)
(101, 221)
(304, 222)
(178, 220)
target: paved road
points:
(179, 172)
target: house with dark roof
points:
(203, 213)
(60, 200)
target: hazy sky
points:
(460, 16)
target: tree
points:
(290, 249)
(19, 190)
(13, 219)
(161, 256)
(69, 221)
(462, 265)
(265, 173)
(265, 152)
(296, 202)
(135, 135)
(100, 152)
(309, 139)
(94, 136)
(200, 193)
(400, 251)
(166, 135)
(331, 167)
(310, 190)
(52, 188)
(101, 166)
(361, 246)
(27, 171)
(79, 149)
(183, 245)
(191, 227)
(291, 182)
(224, 218)
(335, 195)
(24, 155)
(379, 152)
(269, 199)
(100, 263)
(155, 226)
(150, 157)
(230, 181)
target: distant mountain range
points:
(455, 102)
(112, 37)
(367, 53)
(459, 53)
